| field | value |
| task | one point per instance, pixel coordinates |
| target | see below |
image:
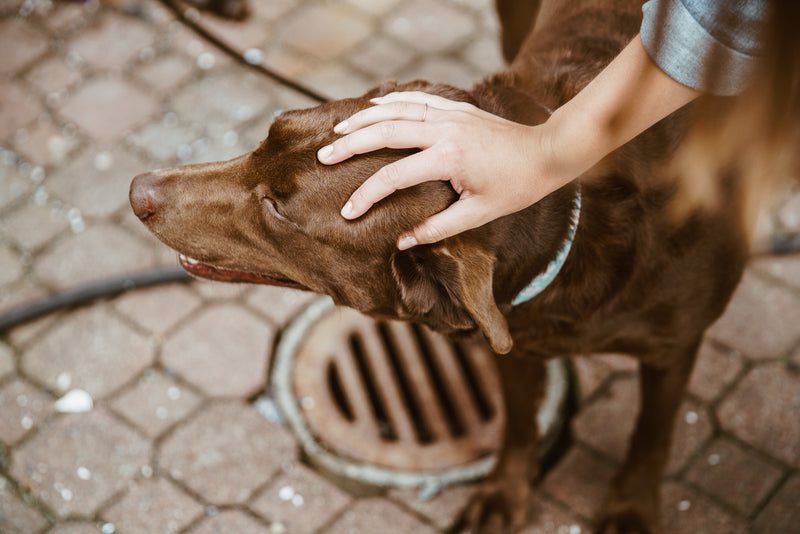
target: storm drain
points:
(392, 403)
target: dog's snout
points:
(145, 195)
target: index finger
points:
(386, 134)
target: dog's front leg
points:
(633, 502)
(501, 503)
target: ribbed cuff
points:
(686, 47)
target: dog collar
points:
(545, 278)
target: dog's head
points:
(271, 216)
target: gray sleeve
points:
(708, 45)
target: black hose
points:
(88, 293)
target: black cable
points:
(180, 13)
(89, 292)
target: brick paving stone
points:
(381, 56)
(441, 70)
(18, 107)
(420, 24)
(45, 144)
(91, 350)
(786, 269)
(547, 518)
(378, 515)
(789, 212)
(443, 510)
(97, 182)
(155, 403)
(223, 351)
(153, 505)
(10, 266)
(768, 398)
(21, 43)
(761, 319)
(96, 108)
(230, 521)
(287, 61)
(301, 500)
(16, 517)
(279, 303)
(215, 452)
(77, 462)
(112, 41)
(68, 17)
(241, 34)
(337, 81)
(374, 7)
(54, 75)
(579, 481)
(734, 475)
(485, 54)
(24, 291)
(685, 510)
(165, 73)
(607, 423)
(6, 360)
(223, 98)
(166, 141)
(32, 225)
(714, 370)
(86, 256)
(781, 514)
(75, 527)
(591, 374)
(12, 185)
(158, 309)
(324, 31)
(23, 408)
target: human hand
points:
(496, 166)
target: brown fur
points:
(634, 282)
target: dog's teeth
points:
(182, 257)
(192, 261)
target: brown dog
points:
(634, 281)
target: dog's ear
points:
(450, 283)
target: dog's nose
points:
(144, 195)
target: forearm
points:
(627, 97)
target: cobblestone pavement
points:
(88, 98)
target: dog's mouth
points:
(221, 274)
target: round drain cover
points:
(393, 403)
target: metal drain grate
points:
(393, 403)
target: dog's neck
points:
(541, 230)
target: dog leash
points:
(546, 277)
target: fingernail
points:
(347, 209)
(377, 100)
(341, 127)
(325, 151)
(406, 242)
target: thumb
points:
(463, 215)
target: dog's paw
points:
(629, 516)
(498, 507)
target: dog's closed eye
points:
(272, 207)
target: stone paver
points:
(6, 360)
(230, 521)
(153, 505)
(91, 350)
(16, 517)
(216, 453)
(782, 513)
(96, 108)
(97, 182)
(300, 500)
(378, 515)
(85, 256)
(768, 398)
(761, 320)
(158, 309)
(77, 462)
(155, 403)
(23, 408)
(89, 97)
(223, 350)
(734, 475)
